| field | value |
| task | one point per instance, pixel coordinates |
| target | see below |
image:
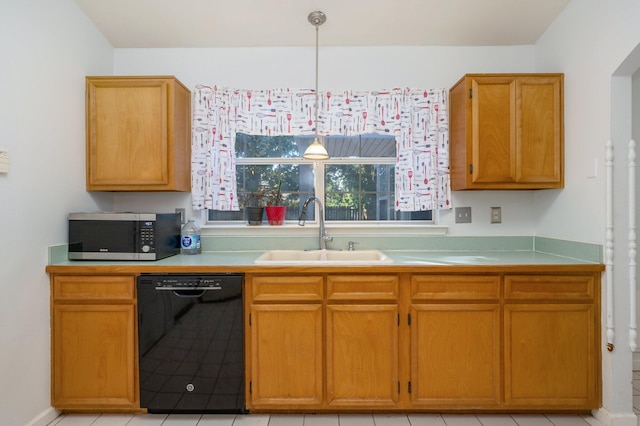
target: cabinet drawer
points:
(362, 287)
(287, 288)
(528, 287)
(87, 287)
(447, 287)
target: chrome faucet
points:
(323, 237)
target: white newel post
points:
(633, 334)
(609, 244)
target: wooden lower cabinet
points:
(314, 352)
(362, 341)
(492, 341)
(551, 342)
(362, 355)
(455, 341)
(286, 356)
(455, 355)
(94, 356)
(511, 339)
(285, 363)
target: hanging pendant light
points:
(316, 151)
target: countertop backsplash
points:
(586, 252)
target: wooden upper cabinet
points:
(138, 134)
(507, 131)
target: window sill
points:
(334, 229)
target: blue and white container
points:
(190, 238)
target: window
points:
(356, 184)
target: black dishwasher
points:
(190, 343)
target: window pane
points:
(354, 189)
(259, 146)
(359, 191)
(257, 184)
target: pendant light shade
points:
(316, 151)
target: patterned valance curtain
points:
(417, 118)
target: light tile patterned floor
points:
(325, 420)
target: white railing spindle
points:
(609, 244)
(633, 333)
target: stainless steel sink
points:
(323, 257)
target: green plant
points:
(274, 198)
(255, 198)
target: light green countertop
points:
(424, 252)
(400, 257)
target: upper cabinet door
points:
(539, 130)
(138, 134)
(507, 132)
(493, 130)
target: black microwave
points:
(123, 236)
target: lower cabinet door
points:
(362, 356)
(286, 355)
(94, 364)
(549, 356)
(455, 355)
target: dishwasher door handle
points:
(188, 288)
(193, 292)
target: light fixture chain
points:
(317, 72)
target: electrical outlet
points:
(183, 220)
(496, 215)
(463, 214)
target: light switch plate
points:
(463, 214)
(496, 215)
(4, 160)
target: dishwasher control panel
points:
(189, 281)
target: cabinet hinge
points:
(408, 319)
(470, 169)
(470, 93)
(409, 387)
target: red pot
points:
(276, 214)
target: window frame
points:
(319, 189)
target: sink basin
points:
(323, 257)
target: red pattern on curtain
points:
(417, 118)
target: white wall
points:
(48, 46)
(340, 68)
(46, 49)
(589, 42)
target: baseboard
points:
(44, 418)
(611, 419)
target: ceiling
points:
(267, 23)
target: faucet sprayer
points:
(323, 236)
